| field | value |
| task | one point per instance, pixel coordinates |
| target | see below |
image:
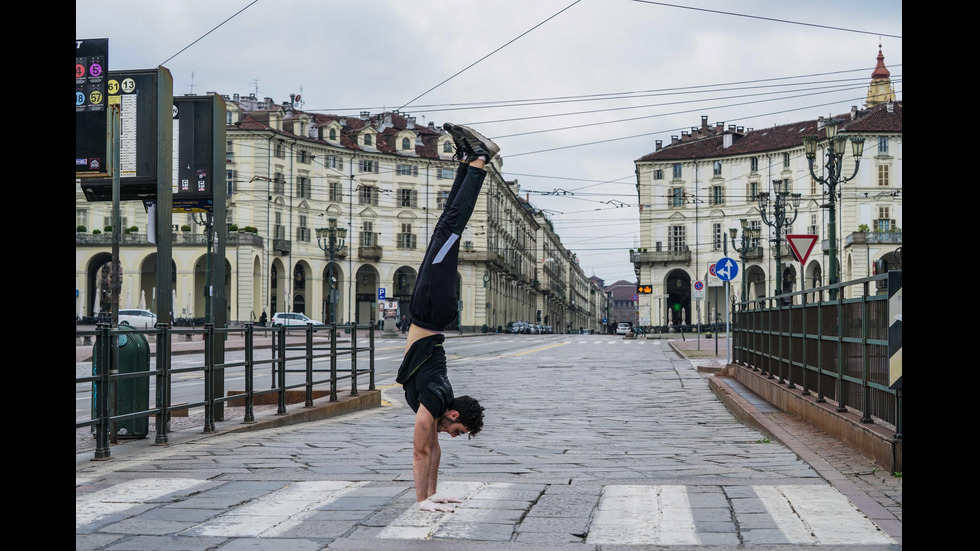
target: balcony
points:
(281, 246)
(370, 252)
(182, 239)
(870, 238)
(643, 256)
(470, 255)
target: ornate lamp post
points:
(330, 240)
(778, 220)
(748, 245)
(832, 164)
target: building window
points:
(677, 197)
(303, 187)
(678, 239)
(813, 185)
(81, 218)
(367, 195)
(717, 237)
(882, 175)
(406, 143)
(407, 170)
(229, 152)
(884, 222)
(368, 237)
(365, 165)
(658, 174)
(785, 161)
(441, 197)
(445, 174)
(368, 140)
(408, 198)
(279, 231)
(303, 156)
(278, 183)
(677, 170)
(333, 134)
(717, 195)
(753, 190)
(406, 239)
(303, 232)
(756, 227)
(334, 192)
(334, 161)
(279, 151)
(716, 168)
(754, 164)
(882, 145)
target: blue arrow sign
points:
(726, 269)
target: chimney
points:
(719, 127)
(365, 115)
(890, 106)
(660, 145)
(704, 122)
(854, 112)
(674, 140)
(731, 127)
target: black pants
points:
(434, 301)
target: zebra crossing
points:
(614, 514)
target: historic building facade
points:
(707, 181)
(381, 177)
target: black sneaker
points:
(462, 151)
(475, 143)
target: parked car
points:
(515, 327)
(140, 319)
(623, 328)
(292, 318)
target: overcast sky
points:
(572, 91)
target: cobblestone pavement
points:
(589, 443)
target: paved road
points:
(590, 442)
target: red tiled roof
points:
(877, 119)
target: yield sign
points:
(801, 246)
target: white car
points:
(140, 319)
(292, 318)
(623, 328)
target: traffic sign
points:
(801, 245)
(726, 269)
(381, 294)
(698, 290)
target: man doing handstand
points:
(423, 371)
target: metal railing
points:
(107, 377)
(837, 349)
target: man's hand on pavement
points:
(432, 507)
(436, 498)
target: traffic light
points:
(643, 289)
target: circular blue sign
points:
(726, 269)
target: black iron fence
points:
(844, 349)
(118, 369)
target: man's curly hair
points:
(470, 413)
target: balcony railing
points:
(183, 239)
(641, 257)
(370, 252)
(861, 238)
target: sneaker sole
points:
(475, 137)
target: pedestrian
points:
(404, 325)
(423, 372)
(263, 318)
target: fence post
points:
(333, 362)
(249, 373)
(208, 377)
(163, 383)
(309, 365)
(353, 359)
(281, 347)
(865, 365)
(371, 361)
(101, 388)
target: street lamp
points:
(748, 245)
(778, 220)
(833, 162)
(331, 239)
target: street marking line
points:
(818, 515)
(636, 515)
(420, 525)
(536, 349)
(99, 505)
(275, 513)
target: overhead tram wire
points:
(236, 14)
(773, 19)
(438, 107)
(488, 55)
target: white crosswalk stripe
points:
(276, 513)
(801, 512)
(99, 505)
(419, 525)
(630, 515)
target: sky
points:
(573, 91)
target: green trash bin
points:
(131, 394)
